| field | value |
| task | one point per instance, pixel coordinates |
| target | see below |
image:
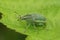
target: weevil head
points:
(25, 17)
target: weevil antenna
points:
(18, 16)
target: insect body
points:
(34, 19)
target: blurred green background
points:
(49, 8)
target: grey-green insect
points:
(34, 19)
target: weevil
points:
(34, 19)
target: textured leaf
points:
(49, 8)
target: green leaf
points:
(49, 8)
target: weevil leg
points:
(35, 27)
(26, 27)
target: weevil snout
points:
(22, 17)
(26, 17)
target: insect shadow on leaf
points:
(1, 15)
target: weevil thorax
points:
(39, 17)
